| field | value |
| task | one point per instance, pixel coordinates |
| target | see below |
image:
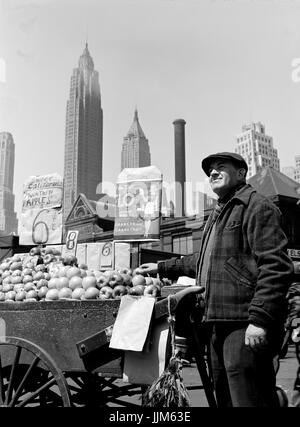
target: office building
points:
(293, 172)
(8, 216)
(135, 148)
(84, 134)
(257, 148)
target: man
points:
(246, 272)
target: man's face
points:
(224, 176)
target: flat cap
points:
(233, 157)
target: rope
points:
(171, 321)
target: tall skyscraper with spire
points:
(135, 148)
(84, 134)
(8, 216)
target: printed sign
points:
(138, 211)
(41, 218)
(294, 253)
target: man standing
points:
(244, 267)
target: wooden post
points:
(135, 255)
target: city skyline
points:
(203, 74)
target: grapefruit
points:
(75, 282)
(89, 282)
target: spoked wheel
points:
(29, 377)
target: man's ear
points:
(242, 173)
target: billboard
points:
(41, 217)
(138, 204)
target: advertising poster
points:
(139, 194)
(41, 217)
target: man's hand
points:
(148, 268)
(255, 336)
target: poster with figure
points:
(41, 217)
(138, 211)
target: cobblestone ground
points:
(285, 378)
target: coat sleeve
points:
(269, 248)
(175, 267)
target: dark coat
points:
(250, 271)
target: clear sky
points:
(218, 64)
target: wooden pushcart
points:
(56, 353)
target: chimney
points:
(179, 137)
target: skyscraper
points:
(293, 171)
(257, 148)
(84, 134)
(8, 216)
(135, 148)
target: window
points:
(183, 244)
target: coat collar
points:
(244, 194)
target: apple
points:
(40, 267)
(115, 279)
(29, 286)
(20, 295)
(41, 283)
(138, 279)
(10, 295)
(152, 290)
(119, 291)
(106, 292)
(42, 291)
(38, 275)
(31, 294)
(34, 251)
(2, 296)
(16, 273)
(70, 260)
(102, 281)
(82, 266)
(49, 258)
(125, 270)
(16, 280)
(127, 279)
(137, 290)
(6, 280)
(6, 287)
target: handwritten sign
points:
(41, 218)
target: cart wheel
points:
(29, 376)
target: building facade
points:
(84, 134)
(293, 172)
(257, 148)
(135, 148)
(8, 216)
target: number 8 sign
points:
(71, 241)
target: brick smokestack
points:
(179, 139)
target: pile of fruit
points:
(44, 275)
